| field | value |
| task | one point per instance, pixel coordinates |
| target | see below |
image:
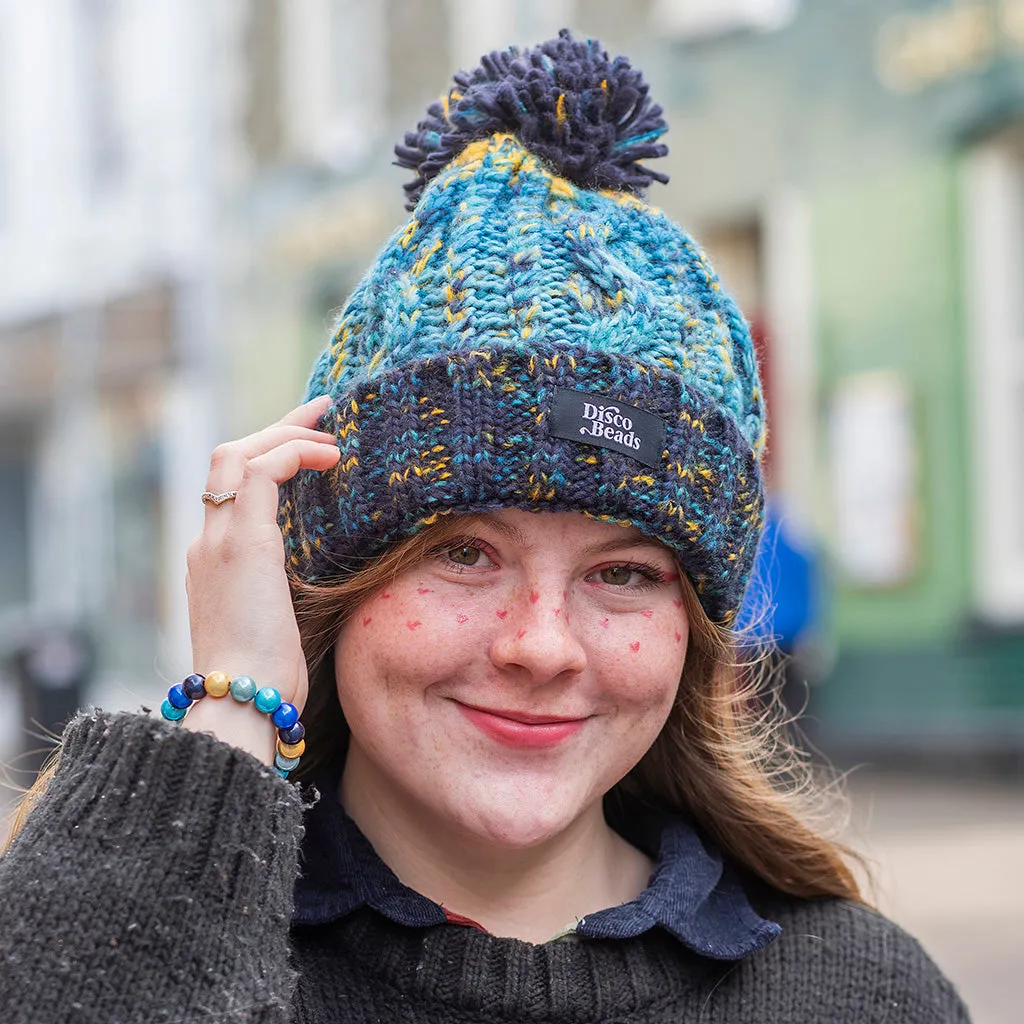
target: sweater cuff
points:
(178, 799)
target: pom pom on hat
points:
(588, 117)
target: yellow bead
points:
(291, 749)
(218, 683)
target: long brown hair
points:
(723, 758)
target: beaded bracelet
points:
(290, 731)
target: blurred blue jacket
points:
(781, 601)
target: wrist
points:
(234, 725)
(273, 734)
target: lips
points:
(521, 729)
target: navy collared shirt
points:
(692, 893)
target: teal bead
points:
(267, 700)
(243, 689)
(171, 713)
(281, 772)
(286, 764)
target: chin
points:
(515, 833)
(517, 820)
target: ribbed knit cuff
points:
(196, 795)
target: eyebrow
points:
(631, 538)
(636, 540)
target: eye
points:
(618, 575)
(631, 576)
(469, 553)
(464, 554)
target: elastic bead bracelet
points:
(290, 732)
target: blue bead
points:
(171, 713)
(267, 700)
(286, 715)
(177, 696)
(281, 772)
(286, 764)
(194, 686)
(292, 734)
(243, 689)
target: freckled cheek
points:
(634, 645)
(642, 702)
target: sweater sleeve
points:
(152, 882)
(918, 992)
(837, 960)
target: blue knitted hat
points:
(538, 337)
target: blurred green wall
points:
(887, 266)
(913, 668)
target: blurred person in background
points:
(494, 562)
(780, 613)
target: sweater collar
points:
(692, 894)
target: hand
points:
(240, 609)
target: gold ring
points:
(219, 499)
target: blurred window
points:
(693, 20)
(264, 131)
(128, 621)
(994, 275)
(103, 127)
(487, 25)
(15, 466)
(334, 80)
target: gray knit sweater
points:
(154, 883)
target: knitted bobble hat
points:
(536, 336)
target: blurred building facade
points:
(112, 160)
(213, 178)
(871, 152)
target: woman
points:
(515, 520)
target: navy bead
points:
(177, 697)
(171, 713)
(292, 734)
(194, 686)
(286, 715)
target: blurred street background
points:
(189, 189)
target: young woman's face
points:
(502, 686)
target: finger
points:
(307, 414)
(228, 462)
(257, 501)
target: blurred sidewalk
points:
(948, 859)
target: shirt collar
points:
(693, 894)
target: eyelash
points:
(463, 542)
(653, 576)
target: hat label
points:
(594, 419)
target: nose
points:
(536, 637)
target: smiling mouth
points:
(521, 729)
(525, 717)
